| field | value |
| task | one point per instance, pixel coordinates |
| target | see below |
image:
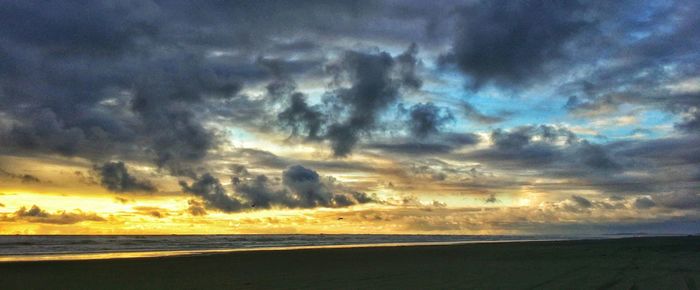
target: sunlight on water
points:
(152, 254)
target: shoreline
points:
(113, 255)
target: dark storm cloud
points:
(115, 177)
(306, 185)
(259, 193)
(595, 156)
(146, 77)
(426, 119)
(95, 27)
(176, 136)
(512, 43)
(45, 133)
(302, 118)
(407, 66)
(209, 188)
(375, 82)
(299, 187)
(372, 90)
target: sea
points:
(81, 247)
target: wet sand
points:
(633, 263)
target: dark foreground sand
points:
(639, 263)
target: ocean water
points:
(19, 247)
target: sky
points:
(386, 117)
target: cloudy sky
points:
(470, 117)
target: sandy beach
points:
(630, 263)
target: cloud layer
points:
(576, 108)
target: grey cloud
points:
(196, 208)
(37, 215)
(239, 170)
(513, 43)
(413, 148)
(581, 201)
(46, 133)
(270, 160)
(535, 146)
(299, 187)
(373, 87)
(555, 152)
(644, 203)
(663, 169)
(35, 211)
(691, 123)
(178, 66)
(24, 178)
(442, 143)
(215, 196)
(297, 46)
(426, 119)
(605, 88)
(407, 65)
(115, 177)
(491, 199)
(155, 212)
(264, 158)
(98, 27)
(302, 118)
(147, 77)
(259, 193)
(472, 113)
(518, 147)
(306, 185)
(679, 200)
(596, 157)
(601, 105)
(371, 91)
